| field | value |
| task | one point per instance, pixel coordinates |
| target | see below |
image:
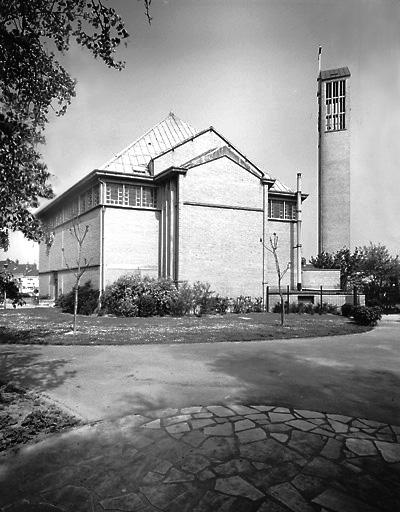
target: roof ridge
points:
(171, 116)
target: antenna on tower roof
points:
(319, 59)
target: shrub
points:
(364, 315)
(87, 300)
(193, 299)
(347, 310)
(181, 303)
(133, 295)
(324, 308)
(222, 305)
(245, 304)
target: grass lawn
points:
(50, 326)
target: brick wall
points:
(286, 232)
(52, 260)
(221, 245)
(130, 242)
(222, 182)
(328, 278)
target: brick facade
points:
(130, 242)
(209, 221)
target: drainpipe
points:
(298, 226)
(101, 287)
(262, 240)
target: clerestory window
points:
(131, 195)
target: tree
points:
(79, 234)
(380, 274)
(9, 289)
(33, 83)
(273, 249)
(371, 268)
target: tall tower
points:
(334, 160)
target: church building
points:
(175, 203)
(189, 206)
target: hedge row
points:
(132, 295)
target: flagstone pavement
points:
(212, 458)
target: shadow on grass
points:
(27, 370)
(37, 336)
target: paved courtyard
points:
(207, 459)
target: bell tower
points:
(333, 160)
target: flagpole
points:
(319, 58)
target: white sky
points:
(249, 69)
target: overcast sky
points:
(249, 69)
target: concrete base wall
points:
(334, 299)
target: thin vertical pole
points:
(267, 300)
(355, 298)
(319, 93)
(288, 298)
(321, 298)
(298, 232)
(319, 59)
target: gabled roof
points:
(162, 137)
(228, 151)
(280, 189)
(278, 186)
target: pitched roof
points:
(230, 152)
(331, 74)
(278, 186)
(14, 267)
(162, 137)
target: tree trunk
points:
(282, 303)
(75, 307)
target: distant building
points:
(25, 274)
(176, 203)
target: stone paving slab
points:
(239, 457)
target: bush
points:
(133, 295)
(347, 310)
(301, 308)
(87, 300)
(364, 315)
(326, 308)
(245, 304)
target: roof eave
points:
(96, 173)
(287, 194)
(64, 194)
(268, 181)
(167, 173)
